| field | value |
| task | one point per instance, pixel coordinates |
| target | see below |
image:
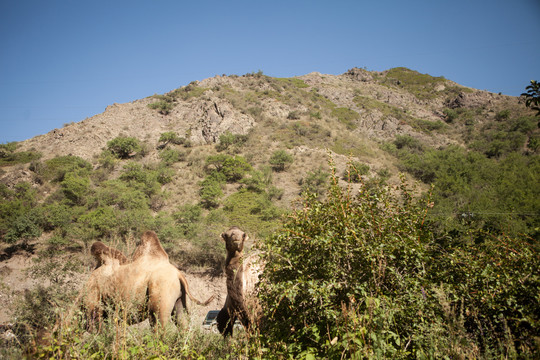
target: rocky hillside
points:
(375, 105)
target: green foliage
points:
(280, 160)
(188, 218)
(231, 168)
(355, 171)
(55, 216)
(15, 207)
(362, 276)
(450, 115)
(25, 227)
(299, 83)
(229, 139)
(532, 96)
(164, 105)
(210, 192)
(119, 194)
(253, 210)
(170, 137)
(101, 222)
(171, 156)
(346, 116)
(141, 178)
(496, 139)
(501, 193)
(192, 90)
(423, 86)
(75, 187)
(55, 169)
(314, 182)
(9, 156)
(124, 147)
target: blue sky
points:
(64, 61)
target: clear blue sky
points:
(64, 61)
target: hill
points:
(238, 150)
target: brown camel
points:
(242, 275)
(148, 284)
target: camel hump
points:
(150, 246)
(105, 254)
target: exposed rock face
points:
(471, 100)
(359, 74)
(216, 117)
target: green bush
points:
(314, 182)
(15, 204)
(346, 116)
(102, 222)
(75, 188)
(9, 155)
(355, 171)
(56, 169)
(210, 192)
(124, 147)
(254, 211)
(280, 159)
(25, 227)
(118, 194)
(188, 218)
(170, 137)
(232, 168)
(362, 276)
(228, 139)
(141, 178)
(163, 106)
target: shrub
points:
(25, 227)
(232, 168)
(280, 159)
(164, 105)
(140, 178)
(101, 221)
(293, 115)
(9, 155)
(124, 147)
(355, 171)
(170, 137)
(55, 169)
(228, 139)
(314, 182)
(450, 115)
(346, 116)
(502, 115)
(171, 156)
(75, 188)
(362, 276)
(188, 217)
(210, 192)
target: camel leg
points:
(180, 307)
(225, 322)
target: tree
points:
(532, 97)
(124, 147)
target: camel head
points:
(234, 239)
(106, 255)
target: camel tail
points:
(184, 284)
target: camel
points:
(242, 275)
(148, 284)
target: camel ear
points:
(245, 237)
(222, 236)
